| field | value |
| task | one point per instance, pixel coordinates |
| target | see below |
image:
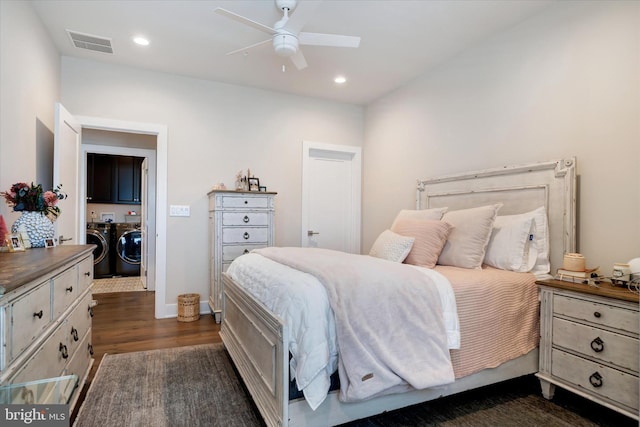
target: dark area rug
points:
(198, 386)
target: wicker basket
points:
(188, 307)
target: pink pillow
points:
(430, 238)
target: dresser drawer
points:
(47, 362)
(245, 235)
(250, 202)
(245, 218)
(78, 323)
(597, 313)
(231, 252)
(85, 274)
(80, 360)
(607, 382)
(30, 314)
(65, 290)
(605, 346)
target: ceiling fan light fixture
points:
(285, 44)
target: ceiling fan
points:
(286, 34)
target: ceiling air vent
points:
(89, 42)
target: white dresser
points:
(45, 322)
(589, 343)
(238, 222)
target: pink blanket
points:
(389, 321)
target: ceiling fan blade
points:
(333, 40)
(298, 60)
(246, 48)
(301, 14)
(245, 21)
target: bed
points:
(258, 340)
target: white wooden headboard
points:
(520, 188)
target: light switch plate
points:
(179, 210)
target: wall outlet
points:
(179, 210)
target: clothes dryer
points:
(128, 249)
(100, 234)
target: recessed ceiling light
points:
(340, 80)
(141, 41)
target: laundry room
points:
(118, 195)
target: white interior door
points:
(143, 223)
(331, 188)
(66, 157)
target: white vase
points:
(38, 227)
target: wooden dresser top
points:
(605, 289)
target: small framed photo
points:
(15, 243)
(49, 243)
(254, 184)
(262, 188)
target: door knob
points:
(61, 239)
(311, 233)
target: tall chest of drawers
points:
(238, 223)
(589, 343)
(45, 322)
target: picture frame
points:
(49, 243)
(262, 189)
(15, 243)
(254, 184)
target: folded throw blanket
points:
(389, 321)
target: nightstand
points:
(589, 343)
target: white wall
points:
(214, 130)
(563, 83)
(29, 87)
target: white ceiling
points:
(400, 39)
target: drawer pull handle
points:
(246, 201)
(597, 345)
(69, 289)
(74, 334)
(90, 311)
(88, 273)
(597, 314)
(245, 219)
(246, 251)
(245, 235)
(27, 396)
(63, 350)
(38, 314)
(90, 348)
(596, 379)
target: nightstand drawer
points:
(245, 235)
(608, 347)
(596, 378)
(597, 313)
(245, 218)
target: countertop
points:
(19, 268)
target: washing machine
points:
(100, 234)
(128, 249)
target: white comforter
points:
(301, 301)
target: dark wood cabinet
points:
(113, 179)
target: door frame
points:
(356, 187)
(161, 132)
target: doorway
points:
(157, 257)
(331, 201)
(119, 161)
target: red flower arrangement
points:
(32, 198)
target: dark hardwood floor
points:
(124, 322)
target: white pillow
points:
(392, 246)
(469, 237)
(542, 265)
(434, 214)
(511, 246)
